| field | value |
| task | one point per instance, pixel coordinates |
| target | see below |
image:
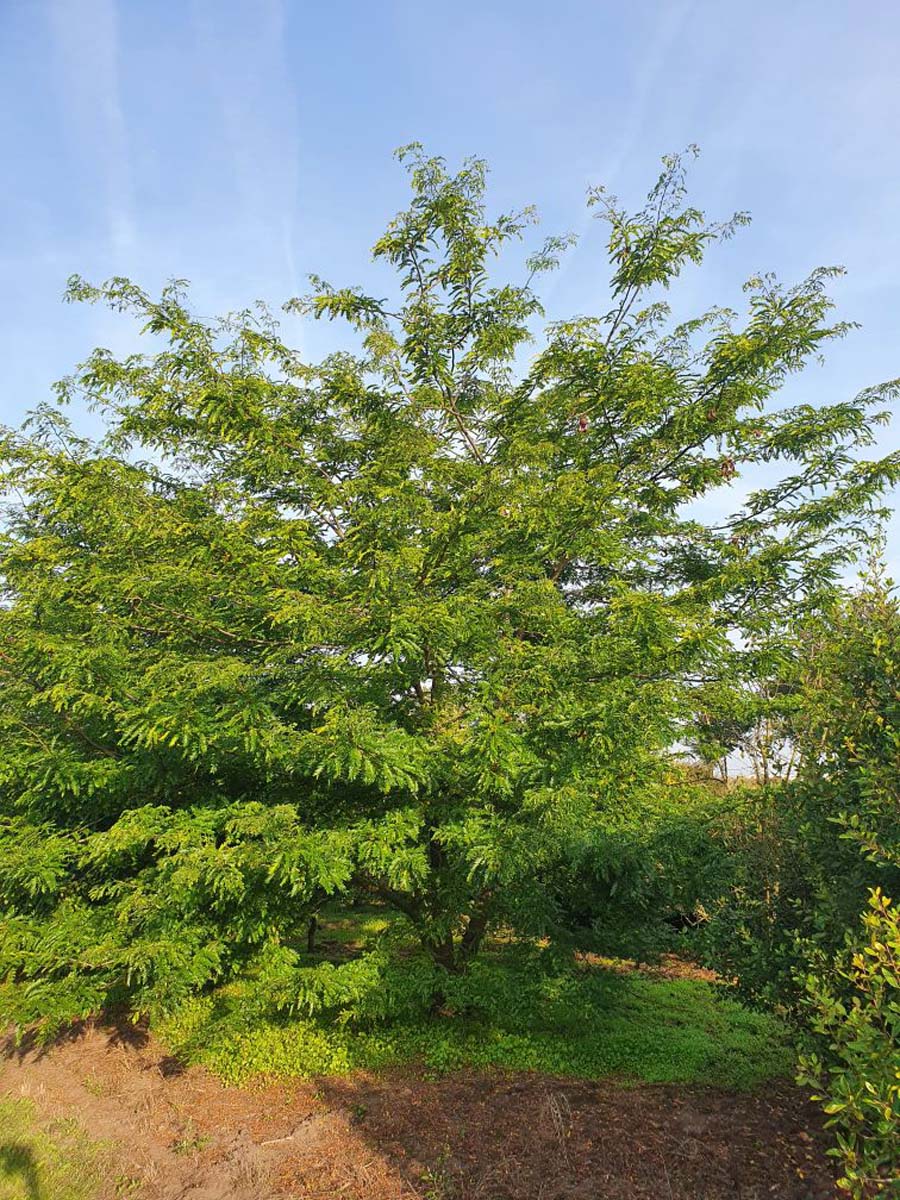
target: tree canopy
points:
(416, 620)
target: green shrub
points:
(631, 883)
(858, 1080)
(806, 854)
(793, 887)
(808, 858)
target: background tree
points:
(807, 855)
(414, 620)
(743, 726)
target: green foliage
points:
(851, 723)
(858, 1073)
(769, 915)
(751, 717)
(534, 1014)
(806, 855)
(166, 903)
(855, 1001)
(413, 622)
(639, 882)
(55, 1159)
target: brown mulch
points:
(539, 1138)
(182, 1135)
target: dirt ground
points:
(182, 1135)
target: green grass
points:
(49, 1161)
(355, 926)
(527, 1013)
(343, 932)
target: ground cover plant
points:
(520, 1007)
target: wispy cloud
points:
(246, 71)
(85, 35)
(648, 70)
(625, 139)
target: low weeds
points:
(513, 1012)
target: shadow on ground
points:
(17, 1162)
(119, 1030)
(471, 1136)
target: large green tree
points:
(416, 620)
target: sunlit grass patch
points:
(352, 928)
(49, 1160)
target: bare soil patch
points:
(669, 966)
(183, 1135)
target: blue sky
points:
(244, 144)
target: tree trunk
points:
(443, 955)
(473, 935)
